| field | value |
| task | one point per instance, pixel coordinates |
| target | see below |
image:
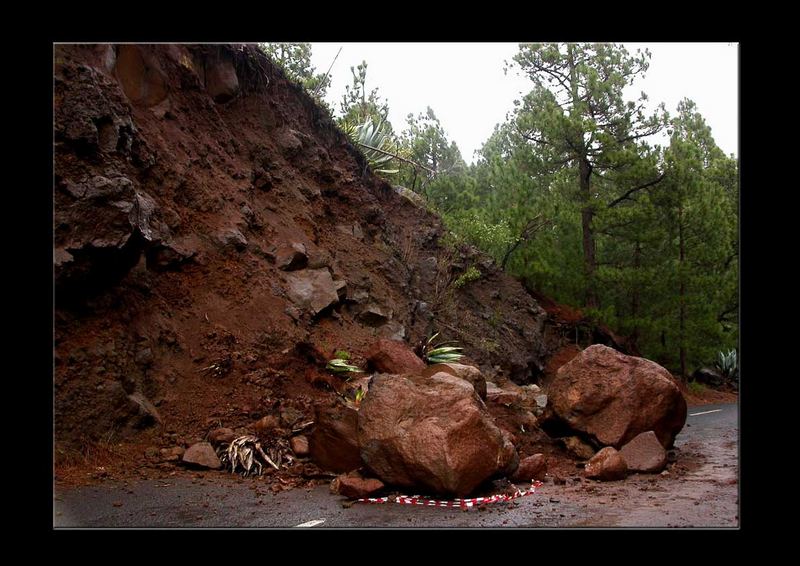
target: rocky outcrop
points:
(291, 256)
(222, 83)
(708, 376)
(178, 172)
(606, 465)
(432, 433)
(312, 290)
(393, 356)
(613, 397)
(644, 453)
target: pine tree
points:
(577, 115)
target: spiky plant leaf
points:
(444, 350)
(341, 366)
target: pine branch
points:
(628, 194)
(414, 163)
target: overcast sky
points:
(465, 85)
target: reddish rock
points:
(299, 446)
(202, 454)
(393, 356)
(578, 447)
(292, 256)
(607, 465)
(140, 75)
(469, 373)
(221, 436)
(614, 397)
(334, 443)
(644, 453)
(266, 426)
(355, 486)
(502, 396)
(430, 433)
(173, 454)
(531, 468)
(312, 289)
(222, 83)
(508, 462)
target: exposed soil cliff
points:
(217, 238)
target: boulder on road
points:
(614, 397)
(430, 433)
(645, 453)
(355, 486)
(334, 443)
(607, 465)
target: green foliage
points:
(338, 365)
(643, 238)
(341, 355)
(472, 227)
(728, 364)
(295, 60)
(674, 305)
(471, 274)
(359, 395)
(425, 143)
(358, 107)
(375, 142)
(696, 388)
(439, 354)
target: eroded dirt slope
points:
(216, 238)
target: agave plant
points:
(360, 394)
(376, 144)
(728, 364)
(440, 353)
(338, 365)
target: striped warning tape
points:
(462, 503)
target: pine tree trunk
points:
(589, 258)
(637, 261)
(681, 295)
(585, 174)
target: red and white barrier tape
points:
(462, 503)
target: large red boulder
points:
(393, 356)
(431, 433)
(614, 397)
(334, 443)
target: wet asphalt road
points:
(704, 497)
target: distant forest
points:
(570, 195)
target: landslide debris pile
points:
(217, 240)
(216, 236)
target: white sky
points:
(465, 85)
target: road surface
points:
(700, 490)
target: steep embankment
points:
(216, 238)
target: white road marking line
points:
(705, 412)
(313, 523)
